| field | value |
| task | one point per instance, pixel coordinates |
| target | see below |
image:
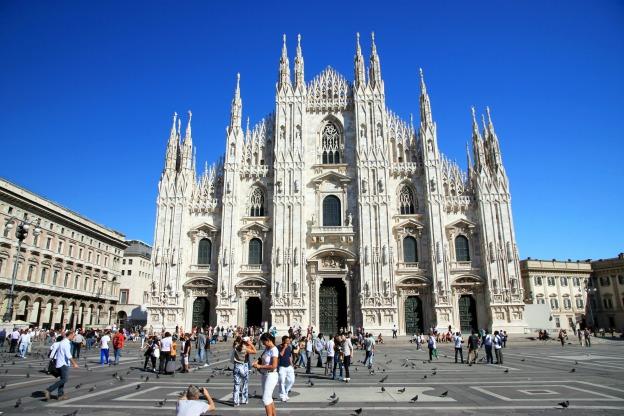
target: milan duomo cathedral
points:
(334, 212)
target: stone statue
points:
(384, 255)
(296, 289)
(380, 185)
(349, 219)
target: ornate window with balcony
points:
(410, 250)
(204, 252)
(462, 249)
(256, 203)
(330, 144)
(255, 251)
(331, 211)
(407, 203)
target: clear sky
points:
(87, 90)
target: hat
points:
(246, 339)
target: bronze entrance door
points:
(413, 315)
(332, 306)
(201, 312)
(467, 314)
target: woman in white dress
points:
(267, 365)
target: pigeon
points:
(138, 386)
(115, 374)
(434, 373)
(384, 378)
(444, 394)
(414, 399)
(92, 389)
(383, 389)
(425, 376)
(74, 413)
(575, 362)
(78, 386)
(157, 375)
(389, 361)
(333, 396)
(333, 402)
(146, 379)
(310, 383)
(506, 370)
(573, 370)
(3, 386)
(160, 403)
(402, 390)
(358, 411)
(562, 404)
(208, 380)
(522, 360)
(18, 403)
(128, 372)
(121, 378)
(27, 375)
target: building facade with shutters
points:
(608, 282)
(563, 286)
(68, 275)
(134, 283)
(333, 211)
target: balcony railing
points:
(408, 265)
(341, 232)
(253, 268)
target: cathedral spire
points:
(299, 74)
(171, 158)
(284, 68)
(425, 103)
(237, 106)
(360, 74)
(477, 144)
(187, 136)
(493, 145)
(375, 67)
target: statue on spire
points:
(237, 106)
(375, 66)
(284, 68)
(360, 77)
(299, 73)
(425, 103)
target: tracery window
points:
(204, 251)
(256, 203)
(410, 250)
(331, 211)
(330, 144)
(255, 251)
(462, 250)
(406, 201)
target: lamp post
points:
(21, 232)
(590, 292)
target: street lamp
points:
(590, 292)
(21, 232)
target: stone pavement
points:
(536, 376)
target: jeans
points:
(23, 349)
(430, 354)
(461, 354)
(499, 355)
(347, 363)
(90, 342)
(319, 362)
(77, 347)
(488, 354)
(303, 359)
(308, 362)
(117, 355)
(104, 356)
(61, 381)
(201, 355)
(150, 358)
(337, 363)
(286, 380)
(13, 345)
(164, 359)
(241, 383)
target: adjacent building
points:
(562, 285)
(608, 289)
(134, 283)
(67, 273)
(333, 211)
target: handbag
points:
(52, 370)
(156, 352)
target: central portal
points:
(332, 306)
(201, 313)
(253, 308)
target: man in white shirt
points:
(165, 351)
(457, 339)
(394, 331)
(190, 405)
(487, 343)
(308, 353)
(104, 340)
(498, 345)
(24, 343)
(14, 338)
(319, 346)
(329, 361)
(63, 359)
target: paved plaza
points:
(535, 378)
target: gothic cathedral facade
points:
(334, 212)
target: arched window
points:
(406, 201)
(330, 144)
(204, 251)
(255, 251)
(331, 211)
(256, 203)
(462, 252)
(410, 251)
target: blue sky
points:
(87, 90)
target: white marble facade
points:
(332, 189)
